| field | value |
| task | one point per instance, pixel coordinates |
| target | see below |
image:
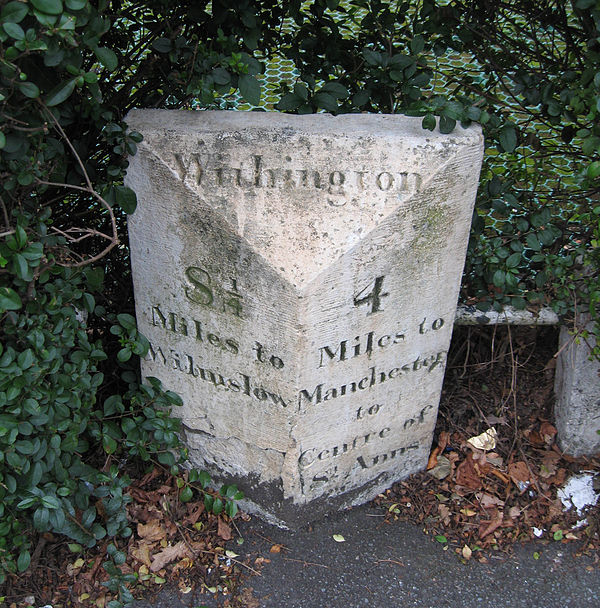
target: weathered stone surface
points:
(577, 388)
(297, 278)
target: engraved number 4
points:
(373, 297)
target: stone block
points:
(577, 388)
(297, 277)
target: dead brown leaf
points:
(519, 473)
(142, 553)
(276, 549)
(548, 432)
(467, 474)
(494, 524)
(169, 554)
(152, 531)
(223, 530)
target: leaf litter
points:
(488, 487)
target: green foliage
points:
(529, 74)
(71, 405)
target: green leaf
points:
(162, 45)
(13, 30)
(499, 278)
(76, 5)
(249, 89)
(289, 102)
(50, 502)
(23, 561)
(50, 7)
(417, 44)
(513, 260)
(107, 58)
(217, 506)
(29, 89)
(60, 93)
(441, 538)
(533, 242)
(9, 299)
(338, 538)
(14, 12)
(558, 535)
(447, 124)
(186, 494)
(126, 199)
(336, 89)
(593, 170)
(429, 122)
(2, 140)
(508, 138)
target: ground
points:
(484, 492)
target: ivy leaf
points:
(60, 93)
(249, 89)
(50, 7)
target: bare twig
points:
(114, 238)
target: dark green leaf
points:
(9, 299)
(499, 278)
(23, 561)
(508, 138)
(429, 122)
(50, 7)
(288, 102)
(125, 198)
(533, 241)
(513, 260)
(186, 494)
(447, 124)
(336, 89)
(107, 58)
(76, 5)
(162, 45)
(13, 30)
(29, 89)
(60, 93)
(249, 89)
(14, 12)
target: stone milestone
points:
(297, 278)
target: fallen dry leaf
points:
(519, 473)
(467, 475)
(548, 432)
(485, 441)
(152, 531)
(276, 549)
(466, 552)
(169, 554)
(495, 523)
(142, 553)
(488, 501)
(223, 530)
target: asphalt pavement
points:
(396, 565)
